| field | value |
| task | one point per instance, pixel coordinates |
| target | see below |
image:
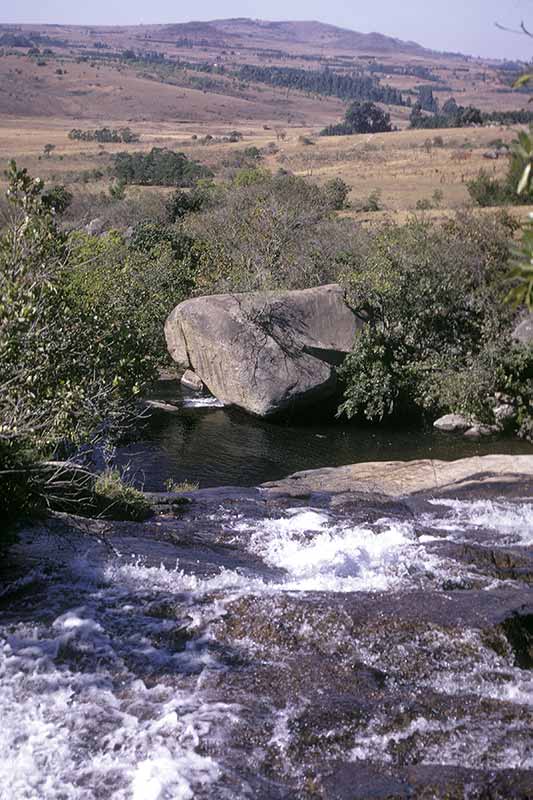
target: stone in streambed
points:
(266, 352)
(190, 380)
(452, 423)
(480, 431)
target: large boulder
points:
(264, 351)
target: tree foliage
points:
(432, 300)
(159, 167)
(80, 334)
(325, 82)
(104, 135)
(361, 118)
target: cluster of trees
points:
(426, 99)
(15, 40)
(324, 82)
(159, 167)
(105, 135)
(519, 117)
(361, 118)
(450, 116)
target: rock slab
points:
(407, 478)
(266, 352)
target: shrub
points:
(275, 232)
(159, 167)
(182, 203)
(136, 283)
(432, 299)
(70, 369)
(501, 366)
(115, 499)
(487, 191)
(336, 192)
(372, 203)
(57, 198)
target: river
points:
(250, 645)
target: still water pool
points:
(216, 446)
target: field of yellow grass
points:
(405, 167)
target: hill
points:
(229, 71)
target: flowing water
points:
(247, 645)
(247, 648)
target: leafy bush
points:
(372, 203)
(136, 283)
(159, 167)
(70, 369)
(81, 332)
(336, 191)
(432, 299)
(278, 232)
(501, 366)
(182, 203)
(57, 198)
(487, 191)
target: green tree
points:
(361, 118)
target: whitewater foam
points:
(81, 713)
(511, 522)
(201, 402)
(324, 554)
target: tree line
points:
(325, 82)
(105, 135)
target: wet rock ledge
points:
(497, 474)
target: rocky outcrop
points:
(266, 352)
(190, 380)
(403, 478)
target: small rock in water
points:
(191, 380)
(452, 423)
(479, 431)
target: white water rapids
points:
(103, 658)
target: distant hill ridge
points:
(312, 32)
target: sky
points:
(465, 26)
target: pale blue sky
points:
(459, 25)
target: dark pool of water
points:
(224, 446)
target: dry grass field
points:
(71, 85)
(405, 168)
